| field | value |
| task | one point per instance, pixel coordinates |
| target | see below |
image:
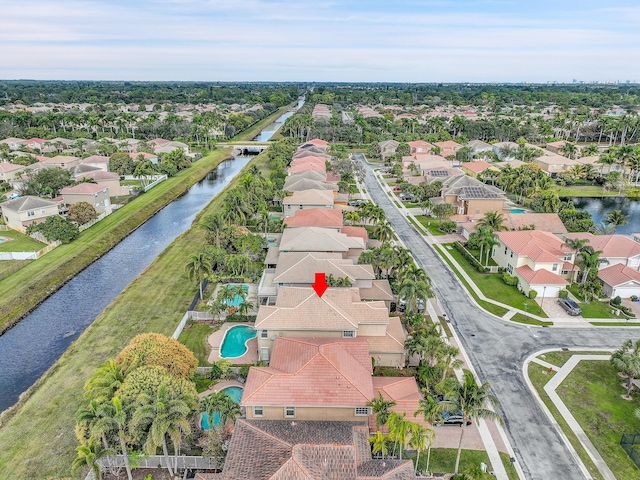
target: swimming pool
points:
(234, 343)
(517, 210)
(236, 395)
(237, 300)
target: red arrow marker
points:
(321, 284)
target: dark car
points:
(570, 306)
(452, 419)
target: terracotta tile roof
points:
(96, 159)
(10, 167)
(310, 151)
(294, 184)
(83, 188)
(402, 390)
(392, 341)
(318, 143)
(540, 277)
(612, 246)
(538, 245)
(380, 290)
(333, 177)
(59, 159)
(99, 175)
(314, 175)
(619, 274)
(447, 152)
(420, 144)
(547, 222)
(300, 267)
(145, 155)
(300, 308)
(339, 369)
(310, 197)
(315, 217)
(477, 167)
(352, 231)
(308, 159)
(305, 167)
(316, 239)
(448, 144)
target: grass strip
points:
(36, 435)
(527, 320)
(443, 460)
(28, 287)
(539, 377)
(593, 393)
(615, 324)
(253, 130)
(560, 358)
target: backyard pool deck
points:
(215, 341)
(221, 386)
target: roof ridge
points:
(267, 434)
(342, 374)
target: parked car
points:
(396, 189)
(407, 196)
(451, 419)
(570, 306)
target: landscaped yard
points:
(195, 339)
(443, 460)
(493, 287)
(595, 308)
(584, 191)
(593, 392)
(560, 358)
(19, 242)
(430, 224)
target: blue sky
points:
(282, 40)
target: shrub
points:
(56, 228)
(148, 379)
(82, 212)
(216, 372)
(616, 302)
(470, 258)
(158, 350)
(510, 279)
(448, 226)
(563, 294)
(532, 294)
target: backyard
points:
(19, 242)
(194, 337)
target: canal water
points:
(34, 344)
(599, 207)
(270, 130)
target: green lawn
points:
(594, 309)
(493, 287)
(489, 307)
(195, 339)
(50, 272)
(539, 377)
(526, 319)
(36, 437)
(560, 358)
(430, 224)
(253, 131)
(443, 460)
(584, 191)
(629, 323)
(592, 392)
(130, 183)
(19, 242)
(10, 266)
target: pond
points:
(599, 207)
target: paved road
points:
(498, 349)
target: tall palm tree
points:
(399, 428)
(158, 416)
(627, 361)
(104, 382)
(576, 245)
(212, 404)
(473, 401)
(494, 221)
(414, 292)
(430, 410)
(113, 417)
(489, 242)
(198, 267)
(230, 411)
(379, 444)
(589, 259)
(383, 231)
(421, 439)
(569, 150)
(380, 408)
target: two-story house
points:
(92, 193)
(470, 196)
(388, 148)
(307, 199)
(23, 211)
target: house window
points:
(477, 210)
(31, 213)
(511, 254)
(505, 250)
(43, 211)
(288, 207)
(290, 412)
(264, 354)
(300, 207)
(348, 334)
(565, 272)
(264, 334)
(555, 267)
(362, 411)
(258, 411)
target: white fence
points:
(190, 315)
(4, 256)
(156, 180)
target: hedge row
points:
(470, 258)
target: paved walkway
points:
(550, 389)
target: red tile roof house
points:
(294, 183)
(316, 217)
(419, 146)
(539, 259)
(339, 313)
(60, 161)
(306, 167)
(305, 450)
(547, 222)
(474, 168)
(449, 145)
(92, 193)
(619, 280)
(341, 373)
(97, 161)
(153, 158)
(34, 143)
(615, 248)
(312, 159)
(110, 180)
(307, 199)
(316, 142)
(311, 151)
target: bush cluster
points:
(470, 258)
(510, 279)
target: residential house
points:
(110, 180)
(470, 196)
(388, 148)
(169, 147)
(620, 280)
(474, 168)
(320, 176)
(153, 158)
(10, 171)
(304, 167)
(307, 199)
(34, 143)
(616, 249)
(314, 239)
(305, 450)
(556, 147)
(554, 164)
(92, 193)
(448, 145)
(316, 217)
(98, 161)
(479, 146)
(547, 222)
(294, 183)
(339, 313)
(501, 148)
(60, 161)
(419, 146)
(310, 150)
(13, 142)
(540, 260)
(317, 143)
(23, 211)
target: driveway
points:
(498, 349)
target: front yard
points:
(443, 460)
(595, 308)
(19, 242)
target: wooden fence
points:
(182, 462)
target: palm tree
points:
(212, 404)
(380, 408)
(494, 221)
(114, 418)
(627, 361)
(430, 410)
(230, 410)
(617, 218)
(589, 259)
(473, 401)
(576, 245)
(88, 456)
(413, 292)
(399, 428)
(421, 439)
(569, 150)
(198, 267)
(489, 241)
(383, 231)
(105, 381)
(159, 416)
(379, 444)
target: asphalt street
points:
(498, 349)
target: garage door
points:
(549, 291)
(626, 292)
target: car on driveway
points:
(447, 418)
(570, 306)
